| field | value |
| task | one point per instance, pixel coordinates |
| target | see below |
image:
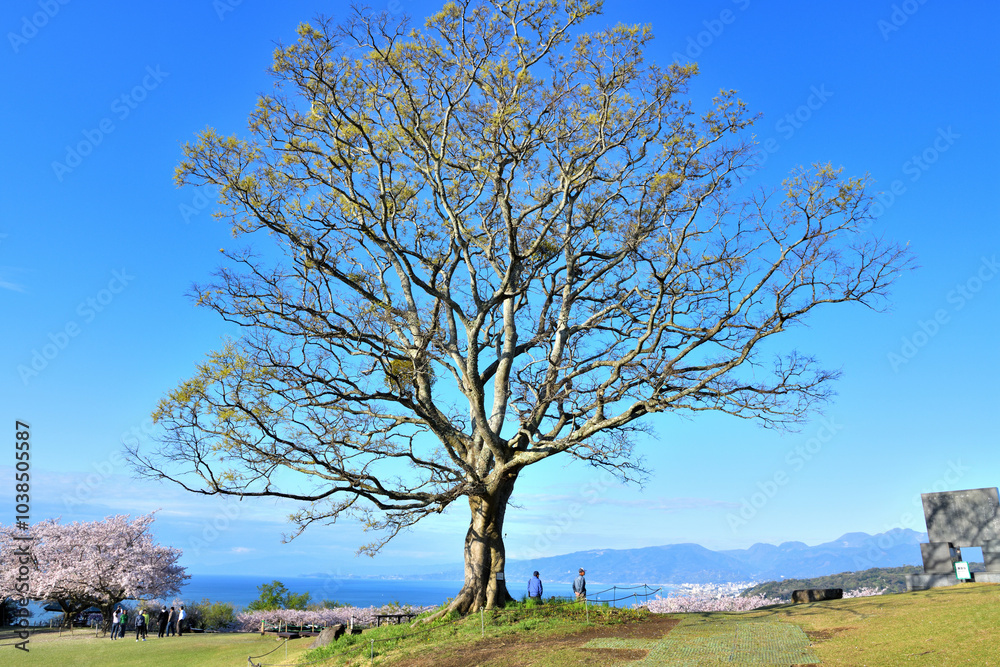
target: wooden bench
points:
(399, 618)
(288, 633)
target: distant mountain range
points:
(694, 564)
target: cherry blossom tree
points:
(83, 564)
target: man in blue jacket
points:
(535, 588)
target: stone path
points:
(713, 643)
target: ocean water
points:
(241, 590)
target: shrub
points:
(331, 604)
(209, 615)
(275, 596)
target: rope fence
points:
(251, 658)
(647, 592)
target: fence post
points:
(371, 644)
(587, 607)
(482, 621)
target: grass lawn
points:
(82, 649)
(940, 628)
(958, 625)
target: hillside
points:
(893, 579)
(693, 563)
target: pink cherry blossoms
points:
(707, 602)
(365, 616)
(711, 599)
(96, 563)
(864, 592)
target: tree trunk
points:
(485, 556)
(107, 611)
(69, 610)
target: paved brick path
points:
(713, 643)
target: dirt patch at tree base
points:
(817, 636)
(512, 651)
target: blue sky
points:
(98, 248)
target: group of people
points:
(579, 586)
(168, 621)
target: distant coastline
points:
(241, 590)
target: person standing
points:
(580, 585)
(122, 623)
(171, 621)
(535, 588)
(161, 619)
(181, 615)
(115, 621)
(140, 625)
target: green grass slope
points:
(958, 625)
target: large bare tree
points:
(493, 240)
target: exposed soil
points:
(816, 636)
(515, 652)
